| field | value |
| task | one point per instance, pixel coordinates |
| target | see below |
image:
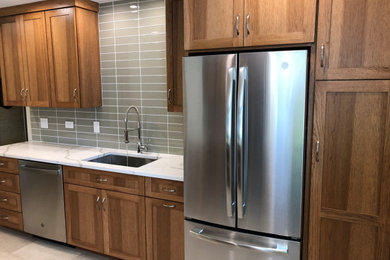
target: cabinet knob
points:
(168, 190)
(22, 93)
(26, 92)
(169, 206)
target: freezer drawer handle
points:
(280, 249)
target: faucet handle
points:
(141, 148)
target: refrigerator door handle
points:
(229, 156)
(200, 233)
(241, 141)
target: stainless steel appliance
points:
(41, 189)
(244, 152)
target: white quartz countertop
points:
(169, 167)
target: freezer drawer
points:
(204, 242)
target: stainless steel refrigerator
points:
(244, 155)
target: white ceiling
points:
(5, 3)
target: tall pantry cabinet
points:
(350, 182)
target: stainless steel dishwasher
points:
(42, 193)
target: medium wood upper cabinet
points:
(243, 23)
(54, 58)
(350, 206)
(11, 58)
(175, 52)
(36, 64)
(165, 229)
(211, 24)
(353, 40)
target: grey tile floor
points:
(19, 246)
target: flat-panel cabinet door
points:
(11, 59)
(349, 215)
(270, 22)
(63, 58)
(124, 225)
(353, 40)
(165, 229)
(84, 222)
(36, 59)
(210, 24)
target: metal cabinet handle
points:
(170, 96)
(322, 55)
(4, 200)
(2, 164)
(168, 190)
(229, 155)
(101, 180)
(97, 202)
(75, 93)
(201, 234)
(3, 181)
(237, 25)
(247, 24)
(26, 92)
(103, 200)
(241, 141)
(4, 217)
(22, 93)
(318, 151)
(169, 206)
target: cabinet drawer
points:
(9, 165)
(104, 180)
(11, 219)
(164, 189)
(9, 182)
(11, 201)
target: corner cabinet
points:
(350, 206)
(246, 23)
(353, 40)
(50, 58)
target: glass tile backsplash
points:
(133, 68)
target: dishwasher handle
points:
(40, 170)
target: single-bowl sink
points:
(129, 161)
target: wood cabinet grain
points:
(11, 58)
(353, 40)
(124, 225)
(84, 219)
(165, 229)
(36, 63)
(349, 216)
(274, 22)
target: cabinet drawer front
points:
(9, 182)
(105, 180)
(11, 219)
(9, 165)
(11, 201)
(164, 189)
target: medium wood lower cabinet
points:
(84, 219)
(164, 229)
(107, 222)
(350, 205)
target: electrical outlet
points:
(69, 124)
(44, 123)
(96, 127)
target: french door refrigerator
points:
(243, 156)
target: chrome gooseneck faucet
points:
(140, 147)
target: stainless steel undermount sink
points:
(129, 161)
